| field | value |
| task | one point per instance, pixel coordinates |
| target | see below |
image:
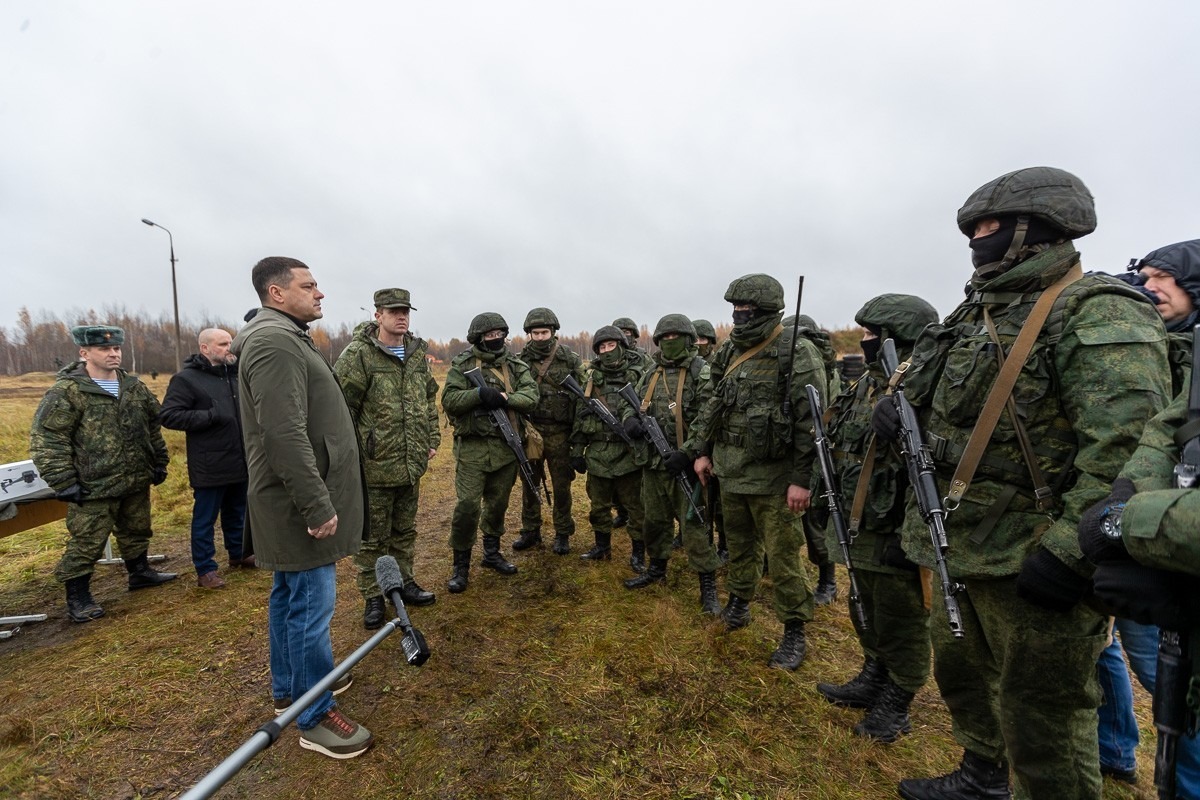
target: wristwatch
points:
(1110, 520)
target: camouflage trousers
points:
(558, 472)
(89, 525)
(664, 503)
(624, 490)
(393, 511)
(1021, 684)
(483, 491)
(762, 524)
(815, 539)
(898, 625)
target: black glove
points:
(1047, 582)
(678, 463)
(492, 398)
(1143, 594)
(72, 494)
(633, 428)
(1100, 526)
(160, 475)
(894, 555)
(578, 463)
(885, 420)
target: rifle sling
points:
(676, 407)
(1186, 432)
(503, 373)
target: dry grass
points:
(553, 683)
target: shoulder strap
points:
(541, 373)
(753, 351)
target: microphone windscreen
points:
(387, 575)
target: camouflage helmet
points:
(674, 323)
(625, 324)
(756, 289)
(705, 328)
(487, 321)
(608, 333)
(1054, 195)
(541, 318)
(898, 316)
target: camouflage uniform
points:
(1021, 682)
(110, 446)
(635, 350)
(394, 406)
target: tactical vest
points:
(849, 429)
(751, 401)
(478, 421)
(555, 405)
(674, 407)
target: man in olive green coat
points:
(305, 495)
(1020, 683)
(485, 467)
(392, 398)
(96, 441)
(762, 450)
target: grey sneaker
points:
(343, 683)
(337, 736)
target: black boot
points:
(373, 613)
(862, 690)
(143, 576)
(413, 595)
(709, 603)
(736, 613)
(492, 558)
(791, 648)
(975, 779)
(562, 544)
(527, 539)
(603, 549)
(656, 574)
(80, 605)
(462, 569)
(637, 557)
(826, 591)
(888, 719)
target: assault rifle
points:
(512, 439)
(599, 409)
(921, 477)
(836, 516)
(654, 435)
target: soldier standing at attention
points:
(484, 466)
(1020, 684)
(762, 451)
(392, 398)
(96, 441)
(550, 361)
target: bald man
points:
(202, 400)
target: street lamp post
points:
(174, 293)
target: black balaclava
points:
(492, 345)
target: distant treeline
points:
(42, 342)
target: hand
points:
(1143, 594)
(432, 453)
(634, 428)
(677, 463)
(324, 531)
(492, 398)
(72, 494)
(798, 498)
(1047, 582)
(578, 463)
(216, 417)
(1100, 526)
(894, 555)
(885, 420)
(160, 475)
(703, 467)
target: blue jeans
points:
(1141, 645)
(300, 610)
(230, 503)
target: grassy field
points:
(553, 683)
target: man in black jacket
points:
(202, 400)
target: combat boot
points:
(736, 613)
(656, 574)
(80, 605)
(603, 549)
(975, 779)
(413, 595)
(143, 576)
(791, 648)
(562, 544)
(492, 559)
(709, 603)
(888, 718)
(527, 539)
(637, 557)
(462, 569)
(373, 613)
(862, 690)
(826, 591)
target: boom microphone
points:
(387, 575)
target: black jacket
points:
(202, 400)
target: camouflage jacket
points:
(475, 434)
(393, 404)
(673, 404)
(608, 456)
(1098, 370)
(108, 445)
(556, 406)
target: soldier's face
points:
(1173, 302)
(540, 334)
(300, 298)
(607, 347)
(702, 340)
(986, 227)
(393, 320)
(102, 357)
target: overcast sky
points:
(604, 159)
